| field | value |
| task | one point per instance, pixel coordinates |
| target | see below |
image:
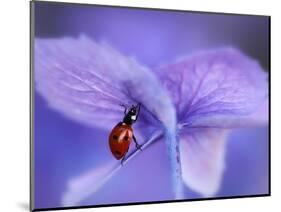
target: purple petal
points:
(202, 159)
(86, 184)
(87, 82)
(219, 88)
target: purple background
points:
(65, 149)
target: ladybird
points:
(122, 134)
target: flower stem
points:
(172, 143)
(157, 135)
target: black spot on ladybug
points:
(115, 137)
(117, 153)
(126, 138)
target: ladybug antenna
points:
(137, 104)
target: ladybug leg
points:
(123, 159)
(138, 146)
(125, 108)
(138, 111)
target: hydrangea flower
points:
(191, 105)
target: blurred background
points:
(65, 149)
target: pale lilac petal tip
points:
(202, 154)
(81, 187)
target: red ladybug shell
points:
(120, 139)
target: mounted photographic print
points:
(137, 106)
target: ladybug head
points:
(132, 114)
(134, 109)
